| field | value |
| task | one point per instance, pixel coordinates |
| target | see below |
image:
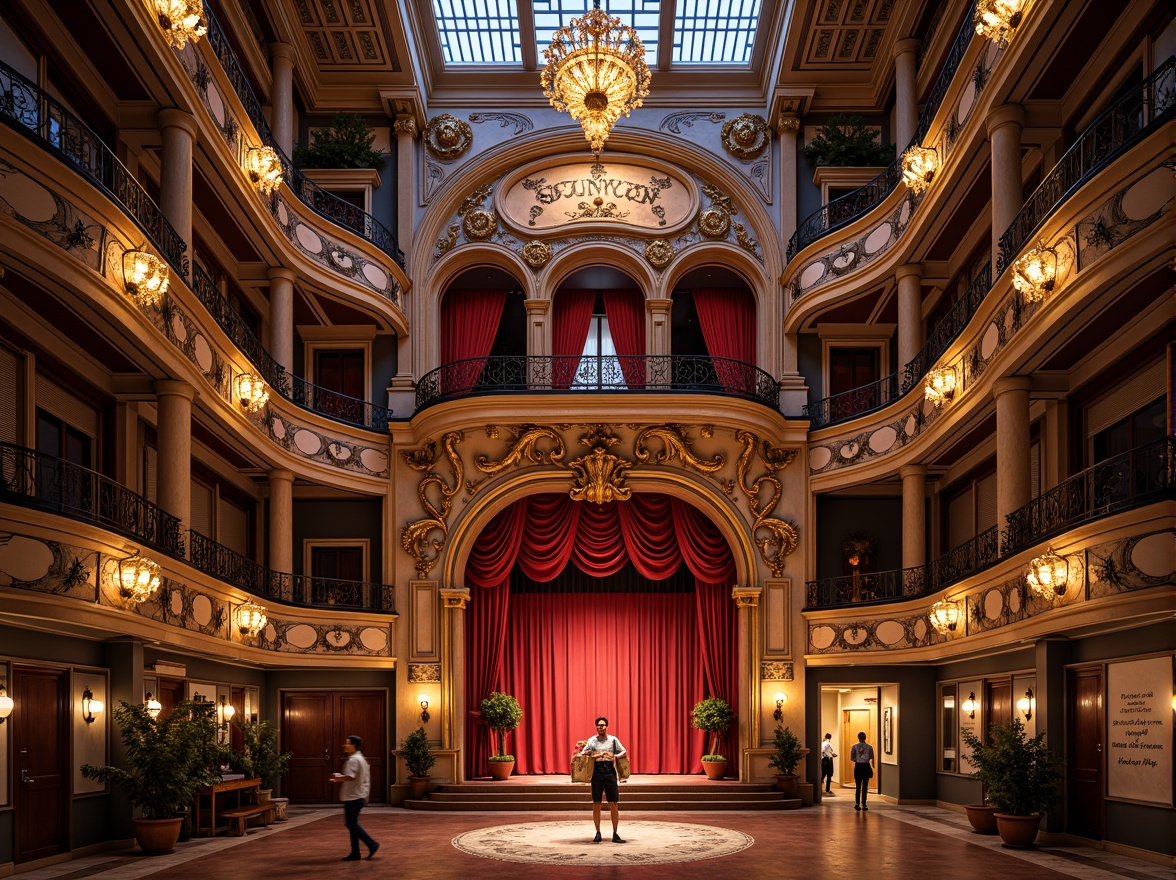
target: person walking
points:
(862, 756)
(605, 750)
(356, 785)
(827, 756)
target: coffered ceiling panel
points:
(345, 35)
(845, 34)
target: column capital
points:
(172, 117)
(405, 126)
(282, 52)
(654, 305)
(281, 273)
(454, 598)
(537, 306)
(906, 269)
(1010, 384)
(173, 387)
(1005, 114)
(787, 125)
(280, 474)
(905, 47)
(912, 470)
(746, 597)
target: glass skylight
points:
(478, 31)
(641, 15)
(715, 31)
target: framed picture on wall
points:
(888, 730)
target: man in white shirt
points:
(827, 756)
(862, 756)
(605, 749)
(355, 785)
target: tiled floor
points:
(921, 843)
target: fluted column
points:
(787, 128)
(406, 132)
(281, 323)
(174, 430)
(910, 313)
(747, 602)
(281, 520)
(454, 601)
(178, 131)
(1004, 125)
(906, 92)
(282, 95)
(914, 515)
(1012, 446)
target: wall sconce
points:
(781, 699)
(137, 578)
(1035, 271)
(970, 704)
(424, 700)
(6, 704)
(91, 708)
(227, 711)
(945, 616)
(995, 19)
(919, 165)
(940, 385)
(145, 275)
(265, 169)
(154, 707)
(1025, 704)
(181, 20)
(1048, 574)
(252, 393)
(250, 618)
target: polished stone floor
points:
(817, 843)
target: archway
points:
(580, 609)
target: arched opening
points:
(620, 609)
(598, 331)
(713, 330)
(483, 331)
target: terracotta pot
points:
(157, 836)
(418, 785)
(982, 817)
(714, 769)
(501, 769)
(1018, 832)
(787, 783)
(264, 795)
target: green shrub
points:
(346, 144)
(1020, 774)
(417, 755)
(846, 140)
(502, 714)
(788, 751)
(715, 717)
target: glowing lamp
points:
(146, 276)
(919, 165)
(181, 20)
(265, 169)
(138, 578)
(1048, 574)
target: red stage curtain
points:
(550, 536)
(571, 316)
(469, 323)
(727, 319)
(625, 310)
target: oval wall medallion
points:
(822, 637)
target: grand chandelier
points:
(596, 71)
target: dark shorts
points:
(604, 782)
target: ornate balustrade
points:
(855, 402)
(948, 329)
(609, 374)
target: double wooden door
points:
(40, 740)
(314, 726)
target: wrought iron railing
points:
(1125, 481)
(323, 203)
(965, 560)
(852, 403)
(31, 479)
(841, 211)
(948, 329)
(339, 407)
(612, 374)
(44, 120)
(1129, 120)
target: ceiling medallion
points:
(537, 254)
(714, 223)
(659, 253)
(745, 136)
(447, 137)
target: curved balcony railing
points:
(31, 479)
(42, 119)
(323, 203)
(1131, 479)
(610, 374)
(1129, 120)
(948, 329)
(841, 211)
(855, 402)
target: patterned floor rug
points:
(570, 843)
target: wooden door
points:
(170, 694)
(314, 726)
(363, 713)
(853, 722)
(998, 705)
(1084, 752)
(40, 738)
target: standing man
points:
(827, 756)
(862, 756)
(605, 750)
(356, 782)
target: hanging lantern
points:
(940, 385)
(138, 578)
(146, 276)
(265, 169)
(919, 165)
(251, 392)
(996, 19)
(1048, 574)
(1034, 273)
(250, 618)
(945, 616)
(181, 20)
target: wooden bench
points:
(241, 815)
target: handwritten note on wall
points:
(1139, 730)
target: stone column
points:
(787, 128)
(660, 343)
(906, 93)
(910, 314)
(281, 323)
(405, 129)
(174, 429)
(747, 601)
(178, 130)
(914, 515)
(281, 520)
(454, 601)
(282, 96)
(1012, 446)
(1004, 125)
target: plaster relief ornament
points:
(537, 254)
(477, 223)
(659, 253)
(714, 223)
(745, 136)
(447, 137)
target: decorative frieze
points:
(424, 673)
(774, 670)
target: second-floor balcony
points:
(610, 374)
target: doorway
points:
(1084, 752)
(314, 725)
(40, 740)
(852, 722)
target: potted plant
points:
(846, 140)
(1021, 776)
(167, 761)
(346, 144)
(787, 755)
(982, 817)
(259, 756)
(418, 757)
(502, 714)
(715, 717)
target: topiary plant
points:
(715, 717)
(502, 714)
(346, 144)
(846, 140)
(788, 751)
(417, 755)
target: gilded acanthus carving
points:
(415, 536)
(675, 442)
(477, 223)
(526, 446)
(600, 475)
(745, 136)
(781, 537)
(447, 137)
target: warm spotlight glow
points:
(1025, 704)
(970, 704)
(996, 19)
(1048, 574)
(919, 165)
(250, 618)
(1034, 273)
(945, 616)
(252, 393)
(265, 169)
(146, 276)
(154, 707)
(181, 20)
(940, 385)
(138, 578)
(91, 708)
(6, 704)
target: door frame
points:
(851, 738)
(1072, 673)
(64, 750)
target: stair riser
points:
(544, 807)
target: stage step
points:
(566, 797)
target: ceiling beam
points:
(665, 34)
(527, 43)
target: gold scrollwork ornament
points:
(447, 137)
(745, 136)
(659, 253)
(714, 223)
(537, 254)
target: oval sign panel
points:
(597, 196)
